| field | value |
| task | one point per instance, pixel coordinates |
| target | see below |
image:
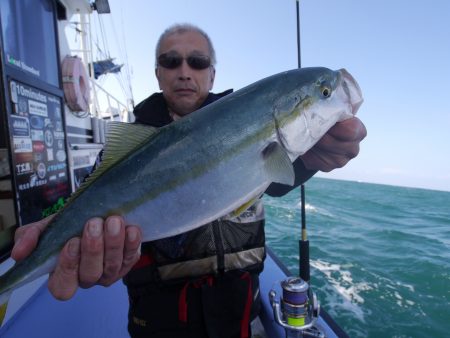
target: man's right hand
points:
(106, 251)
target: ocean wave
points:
(342, 281)
(292, 204)
(380, 255)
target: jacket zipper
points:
(218, 240)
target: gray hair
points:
(183, 28)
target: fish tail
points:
(4, 299)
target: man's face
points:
(184, 87)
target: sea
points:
(379, 254)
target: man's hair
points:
(180, 28)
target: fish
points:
(202, 167)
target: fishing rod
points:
(297, 309)
(303, 243)
(304, 268)
(299, 54)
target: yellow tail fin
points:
(3, 312)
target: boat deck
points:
(101, 312)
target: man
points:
(179, 287)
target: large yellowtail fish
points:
(202, 167)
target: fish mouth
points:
(352, 89)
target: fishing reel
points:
(297, 310)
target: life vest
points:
(230, 243)
(75, 84)
(203, 283)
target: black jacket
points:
(203, 282)
(217, 247)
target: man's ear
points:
(157, 75)
(212, 76)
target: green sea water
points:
(380, 255)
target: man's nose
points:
(184, 71)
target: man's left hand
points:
(338, 146)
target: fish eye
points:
(326, 91)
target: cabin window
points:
(28, 32)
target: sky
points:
(398, 51)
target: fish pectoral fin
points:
(278, 164)
(121, 140)
(244, 207)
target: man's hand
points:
(105, 253)
(338, 146)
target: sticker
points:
(20, 126)
(24, 186)
(31, 93)
(41, 170)
(54, 208)
(48, 137)
(22, 145)
(58, 135)
(13, 90)
(56, 167)
(38, 147)
(37, 108)
(34, 182)
(37, 135)
(36, 122)
(54, 100)
(22, 106)
(58, 126)
(61, 155)
(50, 156)
(24, 157)
(24, 168)
(38, 157)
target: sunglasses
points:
(172, 61)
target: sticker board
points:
(39, 153)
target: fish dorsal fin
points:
(121, 140)
(278, 165)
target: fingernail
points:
(74, 248)
(113, 226)
(95, 227)
(132, 234)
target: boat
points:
(101, 312)
(55, 114)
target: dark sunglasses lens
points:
(198, 62)
(170, 62)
